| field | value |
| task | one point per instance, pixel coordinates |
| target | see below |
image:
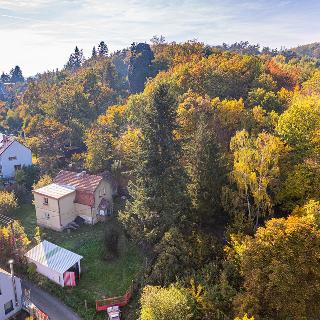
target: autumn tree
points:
(255, 171)
(102, 151)
(281, 280)
(13, 243)
(166, 303)
(299, 124)
(43, 181)
(8, 202)
(47, 140)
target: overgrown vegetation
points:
(217, 150)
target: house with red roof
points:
(13, 156)
(73, 195)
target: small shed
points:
(56, 263)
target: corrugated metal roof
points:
(55, 190)
(52, 256)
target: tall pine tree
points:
(94, 52)
(159, 197)
(102, 49)
(16, 75)
(75, 60)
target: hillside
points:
(215, 153)
(311, 50)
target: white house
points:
(10, 295)
(13, 156)
(56, 263)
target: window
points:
(102, 192)
(12, 158)
(17, 167)
(8, 307)
(45, 201)
(47, 215)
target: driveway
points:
(53, 307)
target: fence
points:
(104, 304)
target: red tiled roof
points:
(81, 181)
(85, 185)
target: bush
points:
(8, 202)
(27, 176)
(111, 238)
(43, 181)
(172, 303)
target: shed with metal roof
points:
(54, 262)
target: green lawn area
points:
(99, 277)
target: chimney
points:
(81, 174)
(13, 279)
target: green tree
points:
(16, 75)
(159, 190)
(27, 175)
(75, 60)
(102, 49)
(94, 53)
(139, 66)
(171, 303)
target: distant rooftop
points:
(55, 191)
(5, 142)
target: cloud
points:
(40, 34)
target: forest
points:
(216, 149)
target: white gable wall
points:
(23, 158)
(49, 273)
(7, 294)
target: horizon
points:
(47, 31)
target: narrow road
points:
(53, 307)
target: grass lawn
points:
(99, 277)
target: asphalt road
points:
(53, 307)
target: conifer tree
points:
(102, 49)
(75, 60)
(94, 52)
(158, 194)
(16, 75)
(5, 77)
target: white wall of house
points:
(48, 273)
(7, 295)
(56, 213)
(14, 156)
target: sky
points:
(39, 35)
